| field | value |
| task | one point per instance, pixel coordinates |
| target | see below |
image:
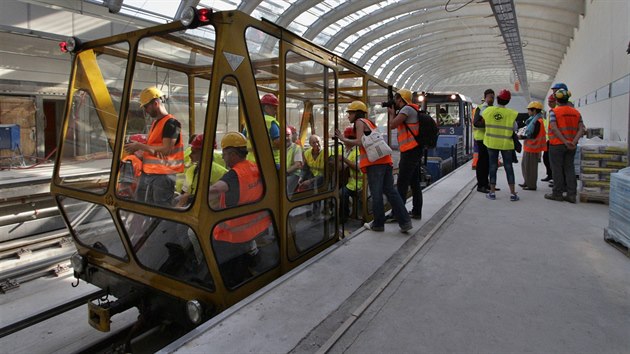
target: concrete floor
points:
(527, 276)
(498, 277)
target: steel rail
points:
(49, 313)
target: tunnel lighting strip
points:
(505, 15)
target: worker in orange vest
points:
(234, 240)
(567, 128)
(163, 153)
(535, 142)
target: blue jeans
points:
(381, 181)
(493, 154)
(409, 176)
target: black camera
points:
(388, 104)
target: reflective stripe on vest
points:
(539, 143)
(163, 164)
(364, 162)
(568, 121)
(406, 140)
(244, 228)
(499, 128)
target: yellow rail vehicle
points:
(171, 260)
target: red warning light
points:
(63, 46)
(203, 15)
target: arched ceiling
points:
(431, 45)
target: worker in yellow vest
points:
(500, 124)
(482, 171)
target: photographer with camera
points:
(403, 116)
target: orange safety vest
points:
(406, 140)
(568, 122)
(163, 164)
(244, 228)
(539, 143)
(363, 160)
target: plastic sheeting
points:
(619, 211)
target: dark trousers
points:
(409, 176)
(483, 165)
(546, 162)
(563, 168)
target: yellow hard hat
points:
(149, 94)
(357, 106)
(535, 104)
(233, 140)
(405, 95)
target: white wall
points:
(597, 56)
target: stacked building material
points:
(598, 159)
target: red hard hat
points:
(269, 99)
(197, 142)
(292, 128)
(288, 130)
(349, 133)
(505, 95)
(138, 138)
(551, 98)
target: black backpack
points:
(429, 131)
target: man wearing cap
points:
(567, 128)
(500, 125)
(163, 153)
(404, 118)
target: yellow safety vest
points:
(355, 178)
(479, 133)
(499, 127)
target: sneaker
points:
(557, 198)
(570, 199)
(491, 196)
(514, 198)
(374, 228)
(389, 218)
(406, 227)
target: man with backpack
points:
(404, 117)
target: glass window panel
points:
(620, 87)
(312, 224)
(158, 177)
(603, 93)
(93, 226)
(591, 97)
(86, 155)
(168, 248)
(245, 247)
(237, 150)
(306, 103)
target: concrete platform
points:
(499, 276)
